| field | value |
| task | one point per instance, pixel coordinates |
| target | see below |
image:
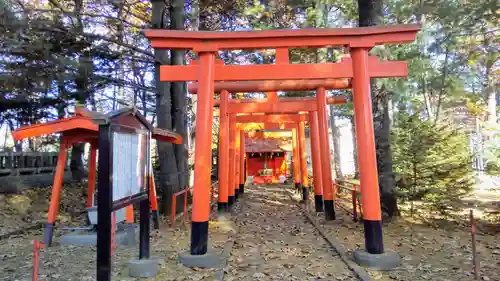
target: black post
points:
(329, 208)
(104, 203)
(374, 242)
(305, 194)
(245, 168)
(318, 203)
(223, 206)
(145, 210)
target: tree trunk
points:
(370, 13)
(179, 96)
(166, 156)
(82, 82)
(76, 164)
(336, 142)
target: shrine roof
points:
(265, 145)
(85, 123)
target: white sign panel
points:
(127, 165)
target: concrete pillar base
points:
(384, 261)
(122, 237)
(211, 259)
(145, 268)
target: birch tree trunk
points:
(354, 147)
(336, 142)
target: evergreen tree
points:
(432, 161)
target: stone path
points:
(276, 242)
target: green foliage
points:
(492, 152)
(432, 161)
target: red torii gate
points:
(360, 69)
(288, 105)
(290, 122)
(236, 180)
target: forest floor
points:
(435, 245)
(273, 242)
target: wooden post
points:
(475, 261)
(56, 192)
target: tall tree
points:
(83, 87)
(370, 13)
(179, 95)
(168, 178)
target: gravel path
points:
(276, 242)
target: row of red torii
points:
(212, 77)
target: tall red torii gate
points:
(359, 69)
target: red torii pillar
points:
(232, 166)
(326, 166)
(296, 159)
(223, 202)
(303, 161)
(237, 136)
(316, 161)
(367, 158)
(360, 69)
(203, 158)
(242, 162)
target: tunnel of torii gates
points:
(358, 68)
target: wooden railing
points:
(348, 191)
(174, 215)
(27, 163)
